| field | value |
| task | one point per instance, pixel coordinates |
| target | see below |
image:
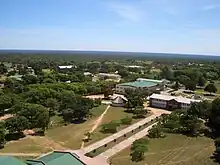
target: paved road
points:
(124, 144)
(122, 132)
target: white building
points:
(170, 102)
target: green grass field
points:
(114, 113)
(56, 138)
(172, 150)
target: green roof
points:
(9, 160)
(139, 84)
(57, 158)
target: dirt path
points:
(97, 123)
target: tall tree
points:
(201, 81)
(214, 119)
(3, 69)
(138, 149)
(211, 88)
(37, 115)
(190, 85)
(2, 134)
(16, 124)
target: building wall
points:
(158, 103)
(120, 89)
(185, 106)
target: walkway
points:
(124, 144)
(119, 134)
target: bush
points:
(156, 132)
(110, 127)
(126, 121)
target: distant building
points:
(119, 101)
(134, 66)
(66, 67)
(170, 102)
(87, 74)
(114, 77)
(142, 84)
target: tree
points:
(166, 73)
(216, 154)
(2, 134)
(140, 112)
(126, 121)
(37, 115)
(107, 92)
(6, 101)
(210, 88)
(3, 69)
(16, 124)
(200, 109)
(155, 132)
(13, 85)
(110, 127)
(53, 105)
(135, 98)
(30, 79)
(138, 148)
(214, 119)
(190, 85)
(177, 85)
(201, 81)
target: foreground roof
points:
(10, 160)
(57, 158)
(179, 99)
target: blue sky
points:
(186, 26)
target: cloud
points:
(211, 7)
(126, 11)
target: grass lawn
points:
(217, 84)
(57, 138)
(172, 150)
(25, 145)
(114, 113)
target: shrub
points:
(126, 121)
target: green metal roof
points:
(139, 84)
(57, 158)
(9, 160)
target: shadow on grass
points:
(14, 136)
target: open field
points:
(114, 113)
(57, 138)
(172, 150)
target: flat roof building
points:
(170, 102)
(142, 84)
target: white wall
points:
(158, 103)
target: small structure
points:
(110, 76)
(119, 101)
(87, 74)
(149, 85)
(170, 102)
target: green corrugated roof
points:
(139, 84)
(57, 158)
(9, 160)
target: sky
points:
(170, 26)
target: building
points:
(66, 67)
(10, 160)
(142, 84)
(110, 76)
(56, 158)
(170, 102)
(119, 101)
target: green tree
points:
(190, 85)
(2, 134)
(214, 119)
(16, 124)
(30, 79)
(156, 132)
(37, 115)
(138, 149)
(211, 88)
(13, 85)
(216, 154)
(177, 85)
(166, 73)
(107, 92)
(110, 127)
(201, 81)
(200, 109)
(126, 121)
(53, 105)
(6, 101)
(3, 69)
